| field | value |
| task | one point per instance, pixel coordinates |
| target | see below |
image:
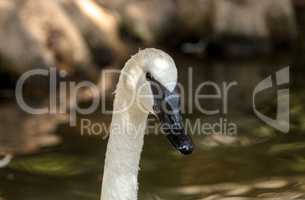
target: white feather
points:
(120, 180)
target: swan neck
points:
(120, 180)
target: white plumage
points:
(130, 112)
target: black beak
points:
(176, 134)
(167, 108)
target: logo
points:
(281, 122)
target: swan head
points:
(160, 96)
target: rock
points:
(67, 33)
(280, 18)
(194, 18)
(113, 4)
(299, 3)
(99, 27)
(237, 27)
(271, 21)
(147, 20)
(238, 18)
(38, 34)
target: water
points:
(257, 162)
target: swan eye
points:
(148, 76)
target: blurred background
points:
(224, 40)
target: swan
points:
(153, 73)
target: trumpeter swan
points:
(147, 84)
